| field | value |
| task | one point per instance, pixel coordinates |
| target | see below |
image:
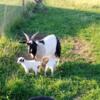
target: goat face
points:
(20, 60)
(32, 45)
(32, 48)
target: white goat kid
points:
(29, 64)
(49, 63)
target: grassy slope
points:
(77, 77)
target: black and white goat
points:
(48, 46)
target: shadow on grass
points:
(78, 69)
(58, 21)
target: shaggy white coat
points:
(51, 64)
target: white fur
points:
(49, 46)
(51, 65)
(29, 64)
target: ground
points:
(77, 24)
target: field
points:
(77, 24)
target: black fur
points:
(33, 48)
(58, 48)
(41, 41)
(21, 60)
(41, 98)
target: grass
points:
(75, 4)
(77, 23)
(9, 11)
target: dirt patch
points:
(82, 48)
(77, 50)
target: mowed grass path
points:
(77, 76)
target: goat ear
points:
(27, 37)
(34, 35)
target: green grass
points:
(77, 24)
(9, 11)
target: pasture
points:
(77, 24)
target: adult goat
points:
(48, 46)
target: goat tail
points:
(58, 48)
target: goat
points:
(29, 64)
(48, 46)
(49, 62)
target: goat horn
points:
(34, 35)
(27, 37)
